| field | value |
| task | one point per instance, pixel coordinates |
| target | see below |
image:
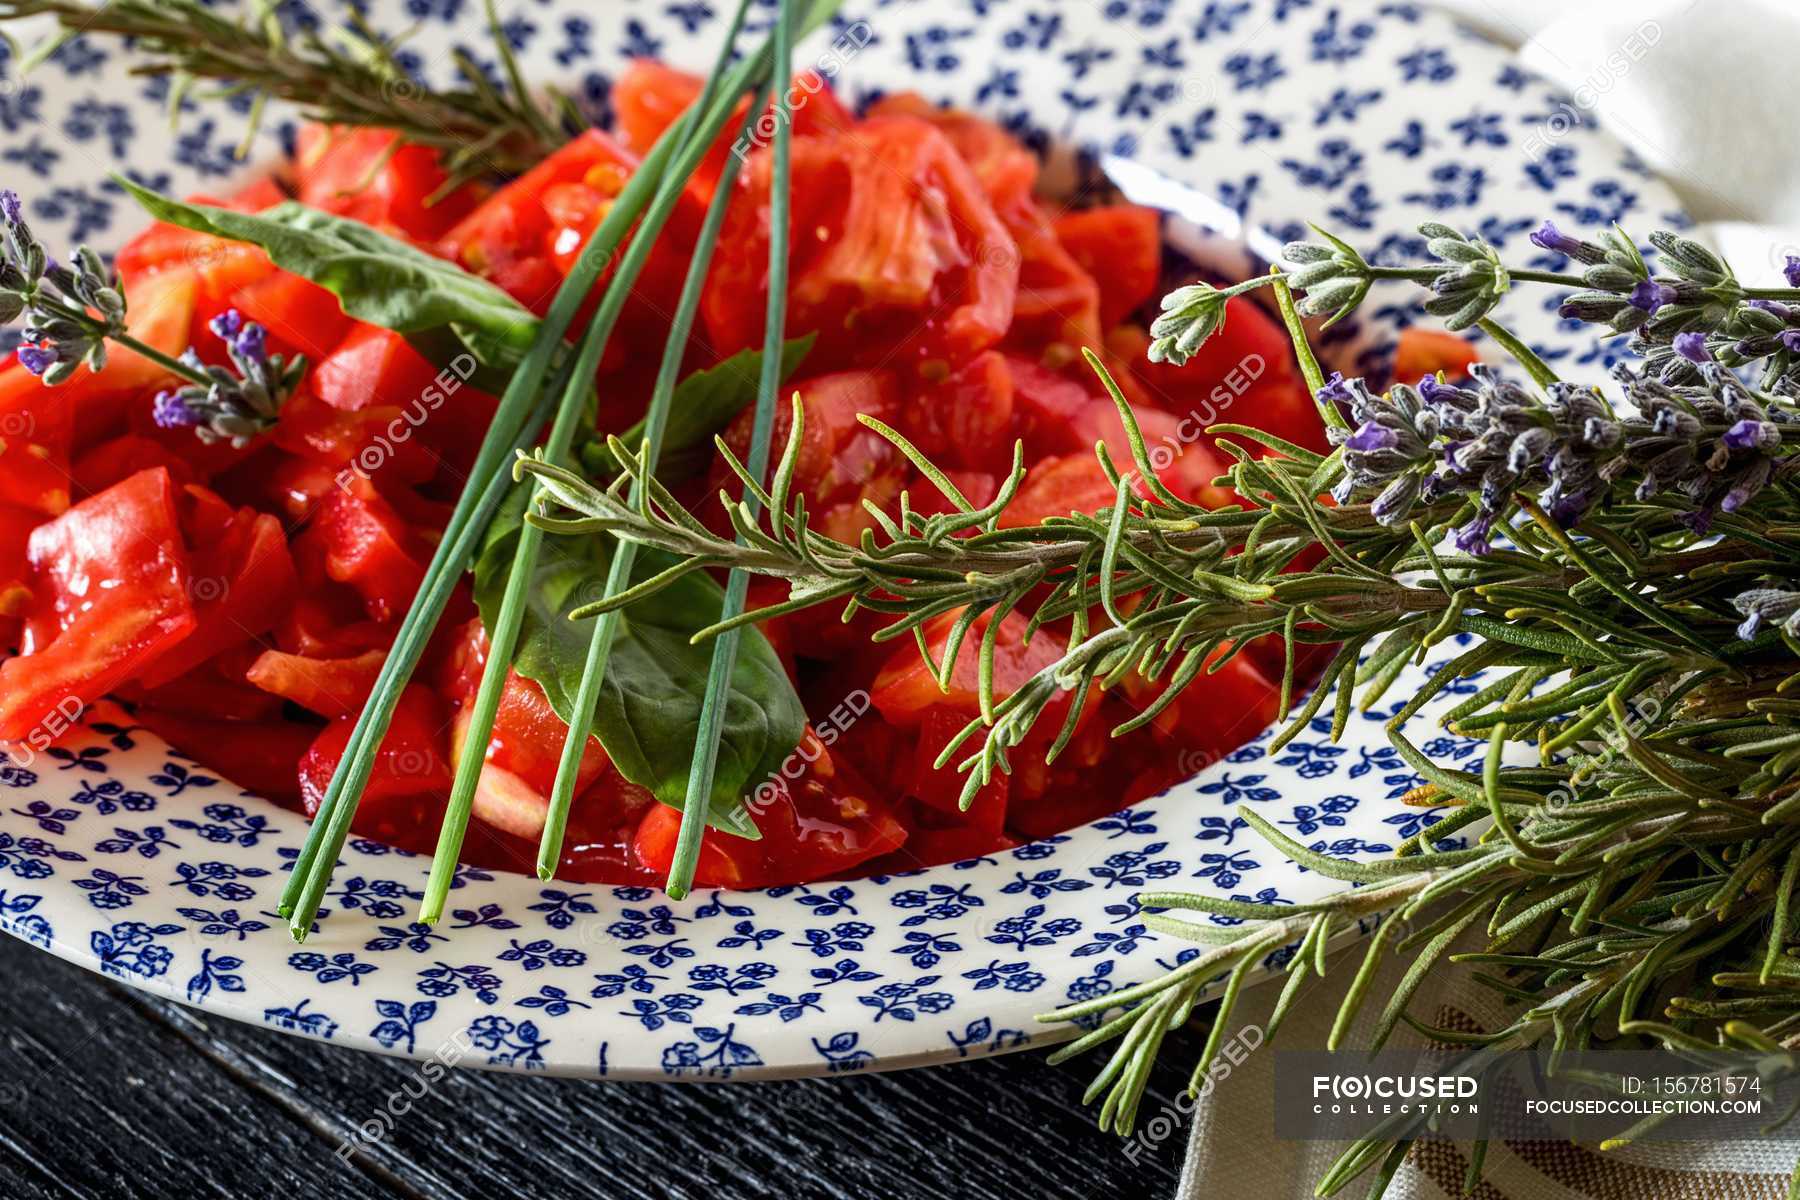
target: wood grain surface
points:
(108, 1093)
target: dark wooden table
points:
(105, 1092)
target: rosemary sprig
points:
(350, 76)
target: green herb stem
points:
(724, 660)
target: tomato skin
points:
(348, 443)
(359, 173)
(889, 227)
(16, 525)
(369, 547)
(81, 638)
(826, 822)
(410, 774)
(301, 316)
(36, 433)
(1424, 352)
(242, 578)
(1218, 712)
(261, 756)
(330, 687)
(1120, 245)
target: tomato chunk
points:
(361, 173)
(410, 776)
(1120, 245)
(331, 687)
(110, 584)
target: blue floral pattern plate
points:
(1245, 117)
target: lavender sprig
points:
(1714, 443)
(1611, 284)
(232, 405)
(71, 313)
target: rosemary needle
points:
(724, 659)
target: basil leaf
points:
(655, 679)
(704, 402)
(376, 278)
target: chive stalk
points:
(587, 695)
(724, 659)
(698, 127)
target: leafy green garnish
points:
(376, 278)
(650, 699)
(704, 403)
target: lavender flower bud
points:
(38, 359)
(1548, 237)
(226, 325)
(1650, 295)
(1767, 606)
(1473, 538)
(1692, 346)
(250, 342)
(15, 213)
(1372, 436)
(170, 411)
(1792, 271)
(1750, 434)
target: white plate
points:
(117, 854)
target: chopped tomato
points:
(822, 825)
(369, 547)
(1424, 352)
(377, 439)
(36, 431)
(842, 462)
(1244, 374)
(242, 578)
(301, 316)
(966, 419)
(111, 461)
(331, 687)
(110, 585)
(372, 176)
(16, 525)
(1218, 712)
(372, 367)
(649, 96)
(1120, 245)
(906, 690)
(261, 756)
(896, 252)
(1058, 486)
(409, 779)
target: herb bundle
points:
(1624, 569)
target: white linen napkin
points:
(1700, 91)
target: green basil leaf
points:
(704, 402)
(376, 278)
(655, 679)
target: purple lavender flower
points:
(250, 342)
(1789, 338)
(1750, 434)
(1767, 606)
(1548, 237)
(38, 359)
(170, 411)
(1372, 436)
(1792, 270)
(1473, 537)
(226, 324)
(1692, 346)
(1651, 295)
(1335, 390)
(14, 213)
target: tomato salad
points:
(241, 598)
